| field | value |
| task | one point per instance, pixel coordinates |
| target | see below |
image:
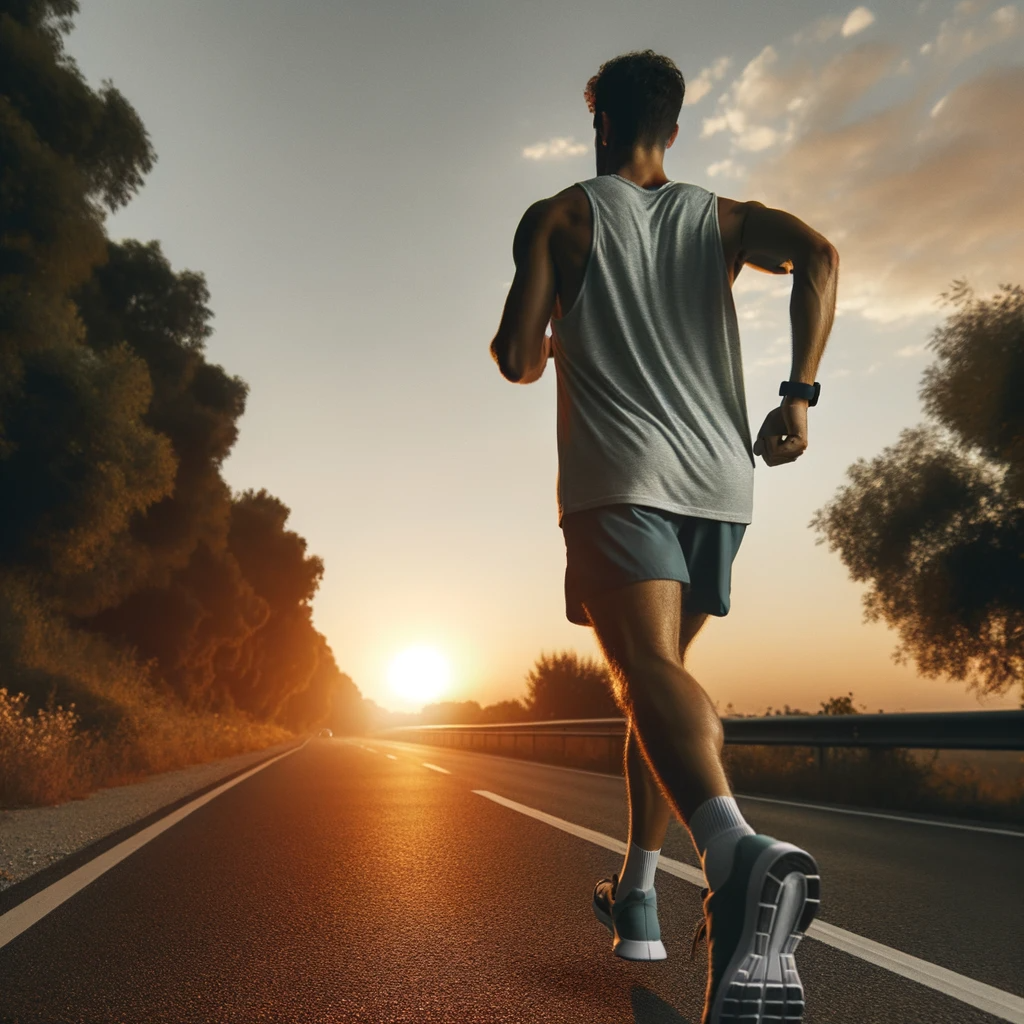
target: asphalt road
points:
(340, 884)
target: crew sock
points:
(716, 827)
(637, 870)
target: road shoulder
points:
(37, 840)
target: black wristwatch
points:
(797, 389)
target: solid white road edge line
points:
(36, 907)
(1004, 1005)
(436, 767)
(882, 815)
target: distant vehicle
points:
(325, 734)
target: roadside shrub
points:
(43, 757)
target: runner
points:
(655, 490)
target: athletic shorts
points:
(615, 545)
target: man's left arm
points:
(521, 348)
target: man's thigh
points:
(638, 622)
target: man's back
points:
(651, 403)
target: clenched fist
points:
(783, 435)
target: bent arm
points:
(521, 348)
(778, 242)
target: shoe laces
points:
(702, 926)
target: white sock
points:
(638, 869)
(716, 827)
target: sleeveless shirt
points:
(651, 406)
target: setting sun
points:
(419, 674)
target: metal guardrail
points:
(948, 730)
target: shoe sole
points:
(630, 949)
(761, 984)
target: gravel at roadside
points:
(32, 838)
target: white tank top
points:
(651, 408)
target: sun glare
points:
(419, 674)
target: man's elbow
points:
(513, 368)
(819, 263)
(825, 257)
(829, 257)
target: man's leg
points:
(649, 810)
(763, 894)
(639, 628)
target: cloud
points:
(912, 174)
(911, 200)
(727, 168)
(795, 96)
(857, 20)
(963, 35)
(820, 32)
(559, 148)
(704, 82)
(910, 350)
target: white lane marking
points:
(436, 767)
(392, 756)
(370, 749)
(743, 796)
(1004, 1005)
(673, 867)
(877, 814)
(36, 907)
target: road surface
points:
(368, 881)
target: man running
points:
(655, 489)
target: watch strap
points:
(797, 389)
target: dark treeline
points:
(560, 685)
(125, 558)
(565, 685)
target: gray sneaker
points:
(753, 925)
(632, 919)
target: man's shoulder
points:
(559, 210)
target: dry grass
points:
(917, 781)
(48, 758)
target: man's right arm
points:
(772, 238)
(778, 242)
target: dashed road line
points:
(436, 767)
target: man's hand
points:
(783, 435)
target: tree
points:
(564, 685)
(504, 711)
(121, 544)
(935, 524)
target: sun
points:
(419, 674)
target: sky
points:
(349, 176)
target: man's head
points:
(641, 93)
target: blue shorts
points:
(615, 545)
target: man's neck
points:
(644, 167)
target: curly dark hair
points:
(642, 94)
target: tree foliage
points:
(118, 533)
(564, 685)
(935, 523)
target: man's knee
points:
(653, 681)
(646, 670)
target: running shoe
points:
(632, 919)
(753, 925)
